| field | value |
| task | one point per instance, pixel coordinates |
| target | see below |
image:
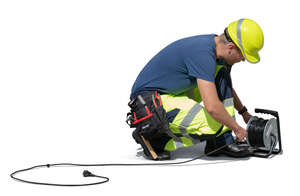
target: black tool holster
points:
(147, 115)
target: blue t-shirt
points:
(175, 68)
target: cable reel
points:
(264, 134)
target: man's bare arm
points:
(216, 109)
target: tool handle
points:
(264, 111)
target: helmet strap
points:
(227, 36)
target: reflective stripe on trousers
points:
(192, 118)
(194, 121)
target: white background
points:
(66, 70)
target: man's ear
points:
(231, 45)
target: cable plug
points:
(87, 173)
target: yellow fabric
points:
(186, 141)
(201, 122)
(170, 146)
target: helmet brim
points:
(252, 58)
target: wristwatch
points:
(243, 110)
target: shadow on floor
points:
(194, 152)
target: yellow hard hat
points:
(248, 36)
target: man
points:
(184, 94)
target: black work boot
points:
(233, 149)
(152, 148)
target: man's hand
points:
(240, 133)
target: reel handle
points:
(264, 111)
(276, 115)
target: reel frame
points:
(264, 153)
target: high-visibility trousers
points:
(189, 121)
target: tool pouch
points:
(147, 115)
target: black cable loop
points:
(12, 175)
(88, 174)
(255, 136)
(256, 132)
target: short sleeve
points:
(201, 65)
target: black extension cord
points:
(256, 132)
(87, 173)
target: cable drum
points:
(262, 133)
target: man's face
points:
(233, 54)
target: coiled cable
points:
(256, 129)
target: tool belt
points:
(147, 115)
